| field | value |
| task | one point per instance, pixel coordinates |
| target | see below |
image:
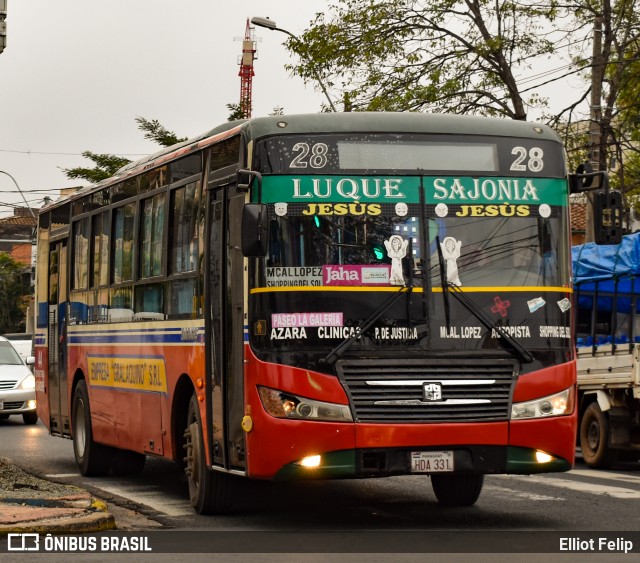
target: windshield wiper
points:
(489, 323)
(443, 284)
(332, 356)
(476, 311)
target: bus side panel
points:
(42, 377)
(136, 415)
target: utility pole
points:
(3, 25)
(595, 115)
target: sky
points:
(76, 73)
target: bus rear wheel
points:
(93, 459)
(594, 438)
(209, 491)
(457, 489)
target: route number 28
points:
(314, 156)
(534, 162)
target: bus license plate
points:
(432, 462)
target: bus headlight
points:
(285, 405)
(558, 404)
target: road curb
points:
(55, 516)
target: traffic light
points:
(608, 209)
(3, 25)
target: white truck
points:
(607, 309)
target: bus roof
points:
(350, 122)
(390, 122)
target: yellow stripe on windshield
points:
(479, 289)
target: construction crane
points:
(246, 70)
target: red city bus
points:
(316, 296)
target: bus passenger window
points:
(181, 298)
(183, 237)
(123, 220)
(80, 253)
(148, 298)
(151, 236)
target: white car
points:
(17, 384)
(22, 342)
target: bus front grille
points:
(433, 390)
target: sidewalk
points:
(31, 504)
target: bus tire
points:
(209, 491)
(30, 418)
(93, 459)
(457, 489)
(594, 438)
(126, 462)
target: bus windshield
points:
(350, 224)
(357, 250)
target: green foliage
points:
(460, 56)
(157, 133)
(236, 112)
(14, 295)
(106, 165)
(629, 120)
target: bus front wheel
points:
(209, 491)
(594, 438)
(93, 459)
(457, 489)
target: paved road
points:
(581, 500)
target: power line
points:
(34, 191)
(29, 152)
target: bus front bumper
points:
(368, 463)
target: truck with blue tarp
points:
(606, 304)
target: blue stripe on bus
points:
(133, 335)
(129, 338)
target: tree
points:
(106, 165)
(236, 112)
(14, 294)
(458, 56)
(626, 153)
(606, 49)
(157, 133)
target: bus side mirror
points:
(582, 180)
(607, 217)
(255, 230)
(244, 179)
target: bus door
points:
(56, 338)
(225, 326)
